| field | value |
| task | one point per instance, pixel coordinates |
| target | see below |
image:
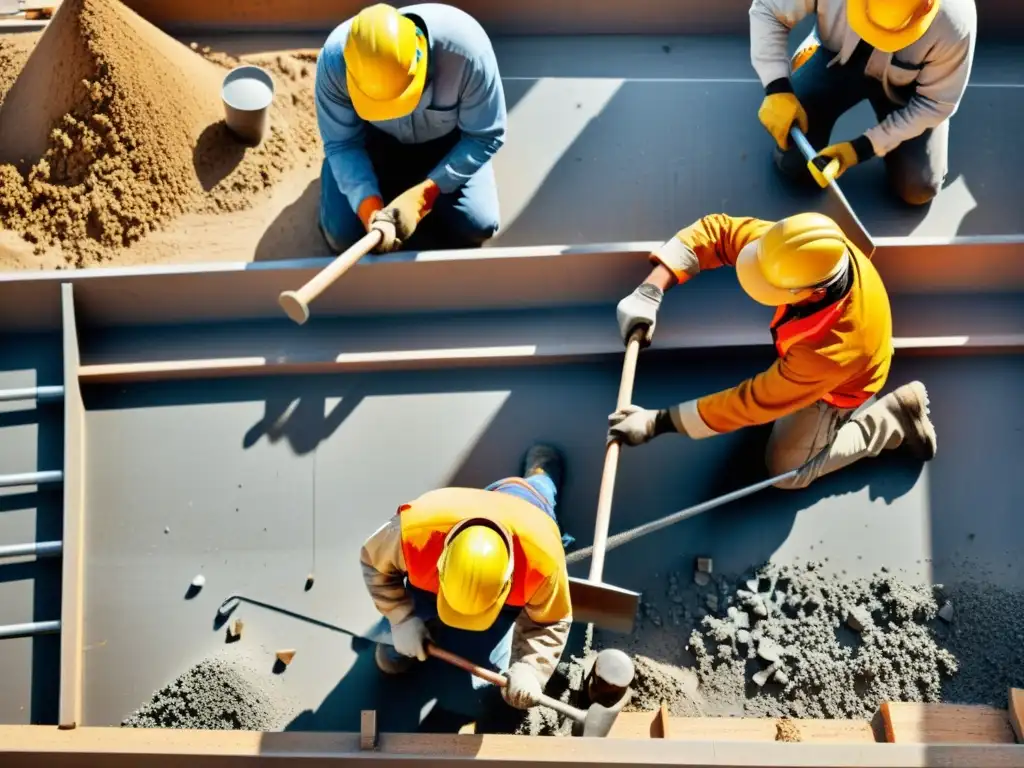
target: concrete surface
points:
(31, 438)
(218, 478)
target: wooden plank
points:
(85, 747)
(914, 723)
(1016, 713)
(73, 569)
(368, 729)
(661, 728)
(644, 725)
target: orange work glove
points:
(397, 220)
(777, 114)
(834, 160)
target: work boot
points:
(545, 459)
(910, 407)
(391, 662)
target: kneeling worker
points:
(462, 555)
(833, 335)
(411, 110)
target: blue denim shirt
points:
(463, 91)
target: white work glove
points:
(411, 638)
(639, 308)
(524, 689)
(634, 425)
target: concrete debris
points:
(701, 579)
(781, 677)
(656, 682)
(285, 656)
(786, 730)
(946, 611)
(762, 677)
(859, 619)
(199, 581)
(769, 650)
(704, 564)
(219, 693)
(236, 628)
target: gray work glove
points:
(410, 638)
(639, 308)
(524, 689)
(634, 425)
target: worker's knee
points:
(917, 186)
(791, 164)
(781, 462)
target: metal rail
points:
(42, 394)
(32, 478)
(38, 549)
(29, 630)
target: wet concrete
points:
(226, 468)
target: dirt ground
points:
(102, 173)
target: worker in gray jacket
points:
(910, 58)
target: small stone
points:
(701, 579)
(752, 585)
(769, 650)
(781, 677)
(167, 529)
(760, 609)
(704, 564)
(712, 602)
(743, 636)
(285, 656)
(236, 627)
(743, 594)
(760, 678)
(946, 611)
(199, 581)
(740, 619)
(858, 619)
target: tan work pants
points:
(825, 438)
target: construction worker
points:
(467, 560)
(411, 110)
(910, 59)
(833, 335)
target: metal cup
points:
(247, 93)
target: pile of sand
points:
(219, 693)
(112, 128)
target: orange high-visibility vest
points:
(536, 543)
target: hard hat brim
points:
(754, 284)
(477, 622)
(884, 39)
(374, 111)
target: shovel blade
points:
(599, 721)
(603, 605)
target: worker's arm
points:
(343, 134)
(482, 121)
(770, 24)
(793, 382)
(713, 241)
(542, 628)
(940, 87)
(384, 572)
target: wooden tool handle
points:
(501, 681)
(296, 303)
(611, 457)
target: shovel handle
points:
(296, 303)
(611, 457)
(501, 681)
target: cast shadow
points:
(304, 422)
(216, 154)
(295, 232)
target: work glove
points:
(777, 114)
(634, 425)
(833, 161)
(397, 220)
(410, 638)
(523, 689)
(639, 308)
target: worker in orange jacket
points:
(461, 557)
(833, 334)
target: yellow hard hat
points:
(890, 25)
(474, 576)
(797, 256)
(385, 64)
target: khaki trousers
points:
(823, 438)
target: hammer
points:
(596, 720)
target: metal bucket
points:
(247, 93)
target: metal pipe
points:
(42, 394)
(32, 478)
(39, 549)
(30, 629)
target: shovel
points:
(824, 172)
(593, 601)
(597, 720)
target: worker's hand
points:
(777, 114)
(398, 219)
(639, 308)
(411, 637)
(524, 689)
(833, 161)
(632, 425)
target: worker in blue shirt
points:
(411, 110)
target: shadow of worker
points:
(301, 419)
(433, 696)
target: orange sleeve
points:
(711, 242)
(793, 382)
(367, 208)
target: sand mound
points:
(113, 127)
(216, 694)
